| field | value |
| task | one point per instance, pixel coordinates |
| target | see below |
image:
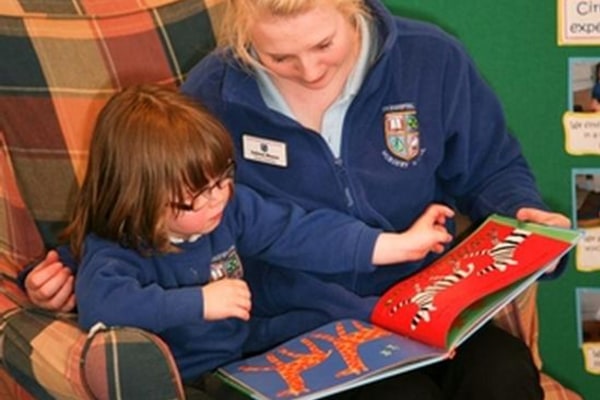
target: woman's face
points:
(309, 49)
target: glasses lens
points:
(201, 199)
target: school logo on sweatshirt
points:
(401, 128)
(226, 265)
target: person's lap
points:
(491, 365)
(210, 387)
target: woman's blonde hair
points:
(150, 146)
(241, 15)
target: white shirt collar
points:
(178, 240)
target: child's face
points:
(201, 213)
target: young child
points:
(158, 228)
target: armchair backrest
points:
(60, 62)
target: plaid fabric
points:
(10, 389)
(520, 318)
(54, 359)
(61, 61)
(19, 237)
(120, 352)
(554, 390)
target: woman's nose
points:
(309, 68)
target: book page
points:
(335, 357)
(499, 253)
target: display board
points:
(537, 76)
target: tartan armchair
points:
(60, 61)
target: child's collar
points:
(190, 239)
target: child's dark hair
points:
(151, 146)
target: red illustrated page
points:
(425, 305)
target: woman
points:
(339, 104)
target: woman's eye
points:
(279, 60)
(325, 45)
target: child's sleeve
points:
(322, 240)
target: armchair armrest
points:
(54, 359)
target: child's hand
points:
(226, 298)
(49, 285)
(428, 233)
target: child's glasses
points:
(203, 197)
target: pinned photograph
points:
(588, 315)
(586, 214)
(581, 121)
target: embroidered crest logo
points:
(402, 132)
(226, 265)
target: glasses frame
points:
(206, 192)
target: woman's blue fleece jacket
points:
(462, 153)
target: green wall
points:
(514, 44)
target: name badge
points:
(264, 151)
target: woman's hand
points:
(527, 214)
(50, 285)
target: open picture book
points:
(418, 321)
